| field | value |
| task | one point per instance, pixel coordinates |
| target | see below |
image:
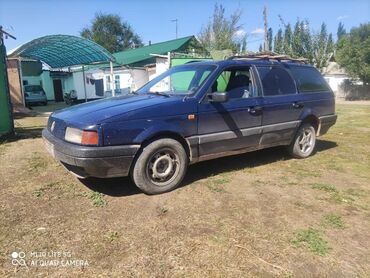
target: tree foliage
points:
(223, 33)
(270, 38)
(300, 41)
(353, 52)
(341, 31)
(111, 32)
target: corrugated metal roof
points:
(137, 55)
(60, 51)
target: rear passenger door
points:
(281, 104)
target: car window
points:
(309, 79)
(33, 88)
(276, 81)
(182, 80)
(238, 83)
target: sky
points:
(30, 19)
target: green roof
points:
(59, 51)
(138, 55)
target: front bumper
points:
(85, 161)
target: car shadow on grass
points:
(119, 187)
(242, 161)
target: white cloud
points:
(341, 17)
(257, 32)
(240, 34)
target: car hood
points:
(99, 111)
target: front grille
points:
(59, 127)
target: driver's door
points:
(235, 124)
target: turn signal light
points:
(89, 138)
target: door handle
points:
(255, 110)
(297, 105)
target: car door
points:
(281, 105)
(231, 125)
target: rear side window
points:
(309, 79)
(276, 81)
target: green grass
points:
(112, 236)
(311, 238)
(162, 211)
(38, 193)
(97, 199)
(36, 162)
(333, 221)
(324, 187)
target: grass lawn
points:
(252, 215)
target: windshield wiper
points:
(160, 94)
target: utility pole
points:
(175, 20)
(266, 44)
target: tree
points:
(353, 52)
(270, 38)
(341, 31)
(278, 42)
(287, 42)
(323, 47)
(221, 33)
(111, 32)
(302, 43)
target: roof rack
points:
(270, 56)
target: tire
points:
(160, 167)
(45, 103)
(304, 142)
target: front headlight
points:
(83, 137)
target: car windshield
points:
(33, 88)
(180, 80)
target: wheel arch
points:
(163, 135)
(313, 120)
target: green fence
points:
(6, 119)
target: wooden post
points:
(111, 77)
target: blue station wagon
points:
(192, 113)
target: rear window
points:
(276, 81)
(309, 79)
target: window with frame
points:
(108, 82)
(117, 84)
(309, 79)
(276, 81)
(237, 82)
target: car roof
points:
(240, 62)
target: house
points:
(335, 76)
(131, 70)
(135, 67)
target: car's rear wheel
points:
(160, 167)
(304, 142)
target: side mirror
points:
(218, 97)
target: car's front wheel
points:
(304, 142)
(160, 167)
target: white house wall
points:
(140, 77)
(79, 86)
(130, 79)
